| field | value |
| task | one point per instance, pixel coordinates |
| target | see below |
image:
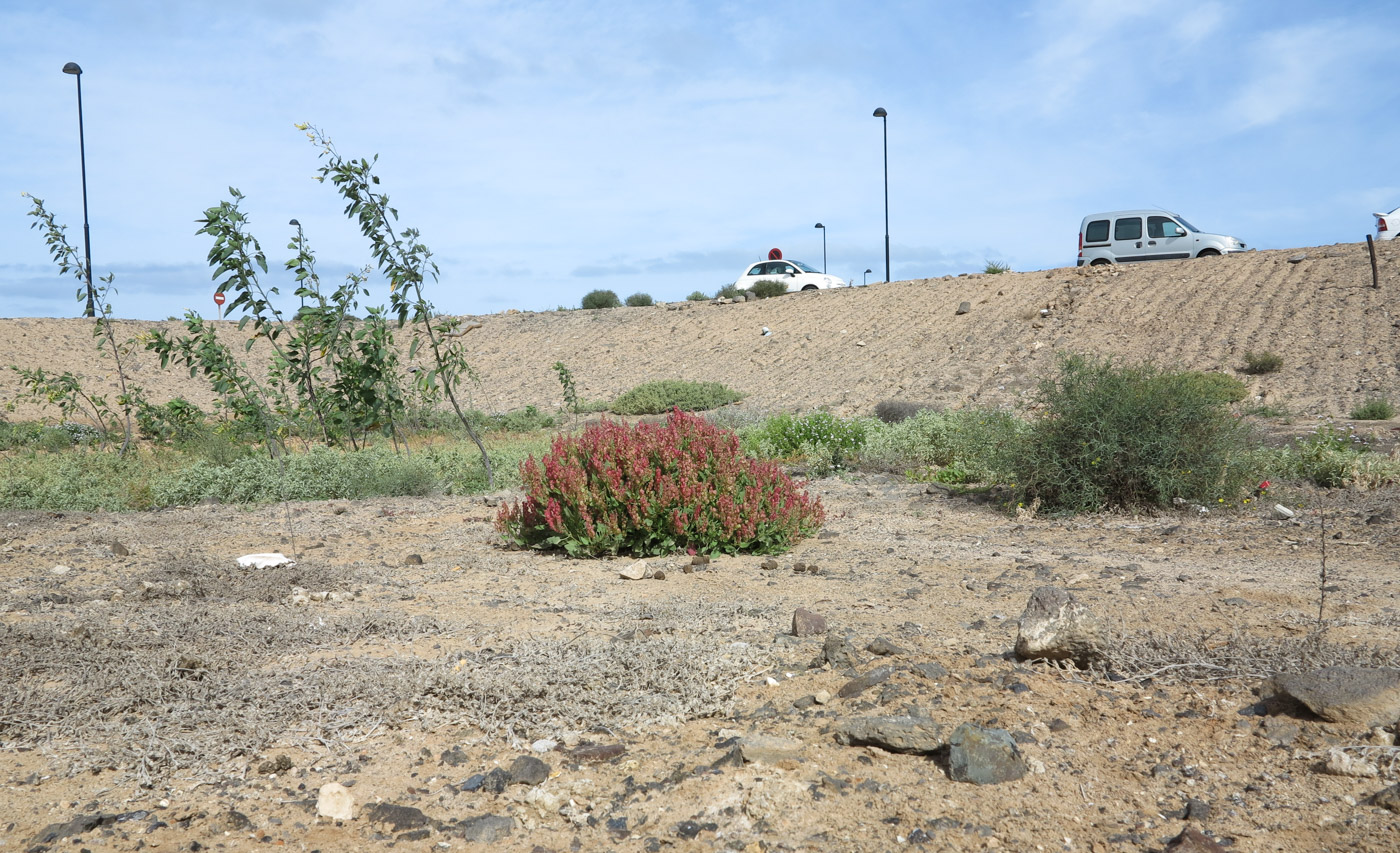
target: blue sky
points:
(548, 149)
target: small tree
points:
(639, 300)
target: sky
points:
(547, 149)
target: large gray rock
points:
(760, 748)
(896, 734)
(485, 829)
(1056, 627)
(983, 756)
(1355, 695)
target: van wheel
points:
(810, 287)
(1208, 253)
(1099, 262)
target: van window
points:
(1096, 231)
(1128, 229)
(1163, 226)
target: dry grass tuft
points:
(1208, 656)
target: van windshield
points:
(1189, 226)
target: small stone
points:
(1342, 763)
(1054, 626)
(799, 567)
(1363, 696)
(895, 734)
(120, 550)
(821, 697)
(594, 753)
(883, 647)
(413, 560)
(486, 829)
(769, 564)
(634, 572)
(769, 749)
(861, 683)
(397, 818)
(1298, 259)
(805, 623)
(335, 802)
(658, 575)
(61, 570)
(983, 756)
(699, 560)
(963, 308)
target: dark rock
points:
(528, 770)
(617, 827)
(963, 308)
(120, 550)
(1056, 627)
(881, 646)
(1193, 841)
(415, 835)
(280, 764)
(1059, 725)
(805, 623)
(496, 781)
(860, 684)
(983, 756)
(413, 560)
(1361, 696)
(932, 671)
(397, 818)
(485, 829)
(895, 733)
(473, 783)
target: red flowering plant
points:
(652, 489)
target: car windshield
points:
(1189, 226)
(803, 266)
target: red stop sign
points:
(218, 299)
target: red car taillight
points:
(1380, 224)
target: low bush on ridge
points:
(650, 489)
(655, 398)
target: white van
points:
(1125, 236)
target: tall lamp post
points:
(885, 127)
(823, 228)
(72, 68)
(862, 277)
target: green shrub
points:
(729, 291)
(697, 296)
(601, 299)
(639, 300)
(996, 268)
(650, 489)
(1262, 362)
(975, 443)
(176, 421)
(1128, 436)
(1374, 409)
(655, 398)
(821, 440)
(78, 480)
(767, 288)
(1220, 386)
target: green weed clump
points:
(601, 299)
(655, 398)
(1336, 457)
(697, 296)
(1374, 409)
(639, 300)
(767, 288)
(963, 445)
(729, 291)
(650, 489)
(821, 440)
(1262, 362)
(996, 268)
(1129, 436)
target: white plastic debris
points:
(265, 561)
(1282, 511)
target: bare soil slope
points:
(849, 349)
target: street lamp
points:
(884, 124)
(862, 277)
(72, 68)
(823, 228)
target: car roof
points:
(1140, 212)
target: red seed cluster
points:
(657, 489)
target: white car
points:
(795, 274)
(1387, 224)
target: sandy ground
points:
(225, 702)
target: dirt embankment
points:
(849, 349)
